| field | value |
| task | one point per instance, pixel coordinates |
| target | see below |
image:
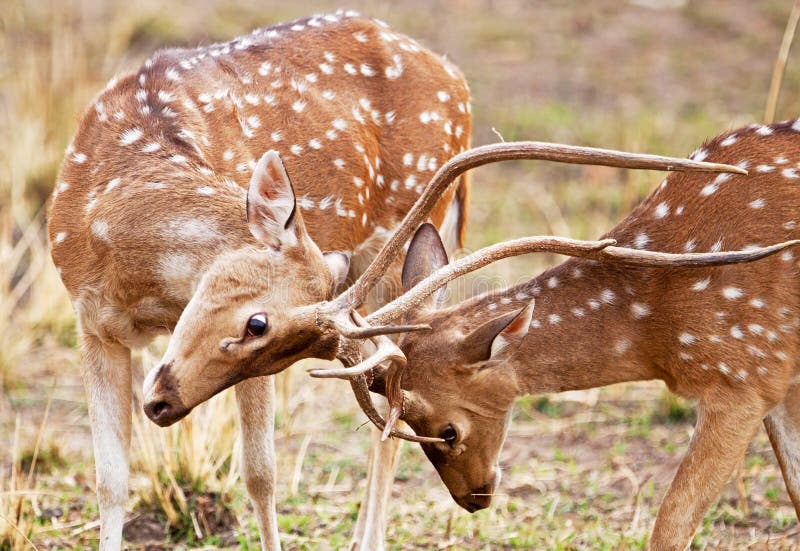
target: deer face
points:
(250, 315)
(458, 384)
(466, 403)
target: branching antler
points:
(493, 153)
(602, 250)
(335, 315)
(387, 351)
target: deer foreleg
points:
(256, 399)
(719, 442)
(107, 379)
(371, 524)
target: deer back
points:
(152, 188)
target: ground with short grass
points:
(581, 470)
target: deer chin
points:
(480, 497)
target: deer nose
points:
(165, 410)
(159, 412)
(163, 404)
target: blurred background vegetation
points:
(584, 470)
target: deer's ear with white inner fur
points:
(338, 265)
(271, 205)
(497, 339)
(425, 255)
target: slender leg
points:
(718, 445)
(371, 523)
(107, 379)
(783, 428)
(256, 399)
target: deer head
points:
(250, 314)
(468, 405)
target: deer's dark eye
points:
(256, 325)
(449, 434)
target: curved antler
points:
(492, 153)
(602, 250)
(387, 351)
(330, 316)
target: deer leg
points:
(256, 399)
(783, 427)
(371, 523)
(107, 380)
(718, 445)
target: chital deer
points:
(726, 336)
(152, 193)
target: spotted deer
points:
(152, 194)
(726, 337)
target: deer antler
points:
(387, 351)
(333, 313)
(602, 250)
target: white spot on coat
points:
(130, 136)
(639, 310)
(100, 230)
(608, 296)
(702, 284)
(732, 293)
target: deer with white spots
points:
(152, 194)
(727, 337)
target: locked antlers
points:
(603, 250)
(338, 315)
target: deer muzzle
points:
(162, 402)
(480, 497)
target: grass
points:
(582, 470)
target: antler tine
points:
(387, 351)
(361, 392)
(493, 153)
(636, 257)
(347, 328)
(603, 250)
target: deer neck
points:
(592, 326)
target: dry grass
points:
(582, 474)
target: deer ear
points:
(497, 339)
(271, 205)
(338, 265)
(425, 255)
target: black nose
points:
(160, 412)
(157, 410)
